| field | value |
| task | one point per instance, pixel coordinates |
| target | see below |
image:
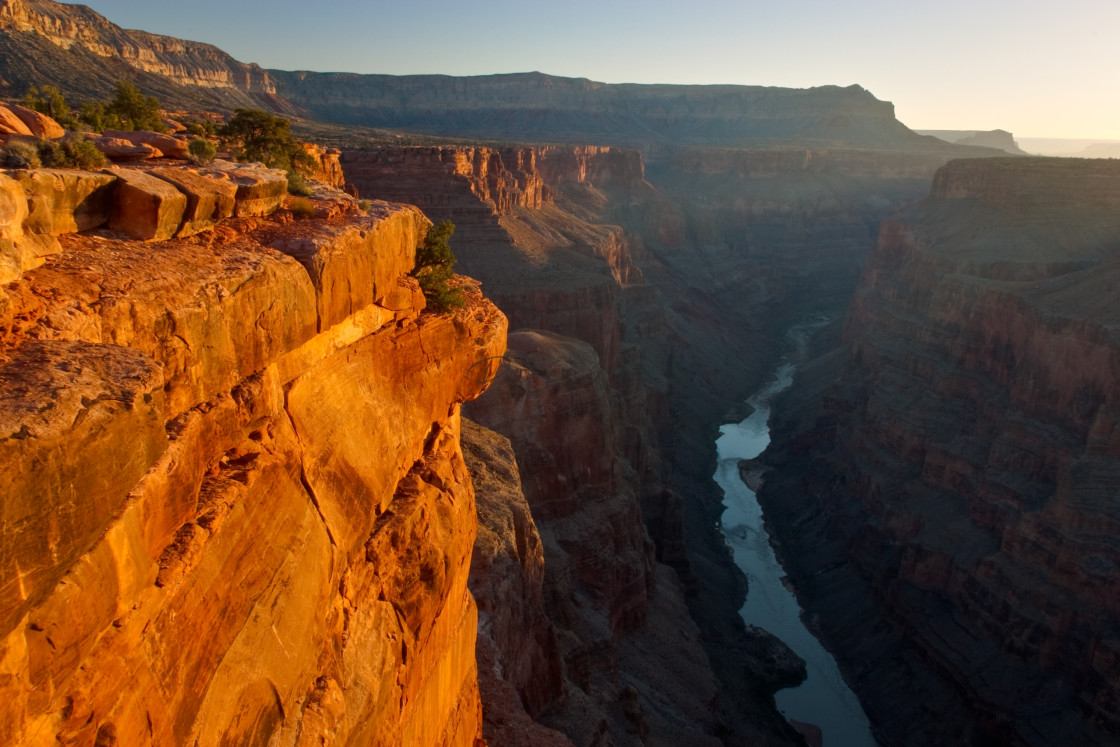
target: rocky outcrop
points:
(955, 474)
(327, 167)
(221, 559)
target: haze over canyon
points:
(257, 487)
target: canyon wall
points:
(682, 317)
(196, 546)
(944, 484)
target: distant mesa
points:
(1001, 139)
(83, 53)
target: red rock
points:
(520, 672)
(11, 123)
(265, 578)
(116, 149)
(169, 145)
(208, 200)
(360, 264)
(970, 450)
(145, 207)
(13, 211)
(40, 125)
(81, 424)
(66, 200)
(260, 191)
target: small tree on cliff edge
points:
(434, 268)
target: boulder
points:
(11, 124)
(66, 200)
(260, 190)
(209, 200)
(169, 145)
(40, 124)
(116, 149)
(144, 206)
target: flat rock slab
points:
(116, 149)
(66, 200)
(211, 313)
(80, 423)
(209, 200)
(146, 207)
(168, 145)
(260, 190)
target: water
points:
(823, 699)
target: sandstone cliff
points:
(197, 546)
(952, 469)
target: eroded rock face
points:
(146, 207)
(519, 667)
(958, 479)
(208, 200)
(260, 191)
(227, 563)
(66, 200)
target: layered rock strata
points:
(945, 482)
(608, 609)
(684, 320)
(38, 205)
(222, 560)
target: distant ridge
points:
(82, 53)
(1001, 139)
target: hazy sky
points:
(1042, 69)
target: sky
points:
(1037, 69)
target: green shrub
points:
(50, 101)
(21, 156)
(201, 151)
(435, 266)
(131, 110)
(302, 207)
(201, 128)
(364, 205)
(264, 137)
(76, 153)
(297, 184)
(93, 116)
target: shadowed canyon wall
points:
(952, 468)
(197, 546)
(680, 293)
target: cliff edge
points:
(196, 546)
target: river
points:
(824, 699)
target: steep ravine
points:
(681, 320)
(944, 481)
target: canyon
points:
(942, 478)
(267, 519)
